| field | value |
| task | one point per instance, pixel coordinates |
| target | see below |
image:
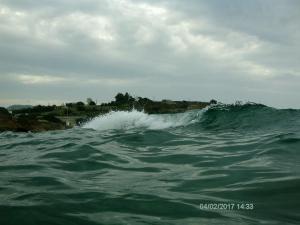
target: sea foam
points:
(136, 119)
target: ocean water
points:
(234, 164)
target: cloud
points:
(35, 79)
(227, 50)
(53, 80)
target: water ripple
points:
(146, 176)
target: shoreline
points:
(45, 118)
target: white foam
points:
(135, 119)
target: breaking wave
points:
(235, 116)
(135, 119)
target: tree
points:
(124, 99)
(90, 101)
(69, 104)
(80, 104)
(213, 102)
(143, 101)
(120, 98)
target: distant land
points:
(25, 118)
(19, 107)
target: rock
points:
(27, 123)
(4, 113)
(213, 102)
(6, 121)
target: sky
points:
(64, 50)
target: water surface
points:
(133, 168)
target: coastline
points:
(45, 118)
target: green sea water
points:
(133, 168)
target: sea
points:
(225, 164)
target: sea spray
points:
(135, 119)
(222, 117)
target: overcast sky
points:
(65, 50)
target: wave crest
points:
(236, 116)
(135, 119)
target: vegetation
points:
(40, 117)
(90, 101)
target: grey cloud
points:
(228, 50)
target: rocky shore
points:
(25, 123)
(44, 118)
